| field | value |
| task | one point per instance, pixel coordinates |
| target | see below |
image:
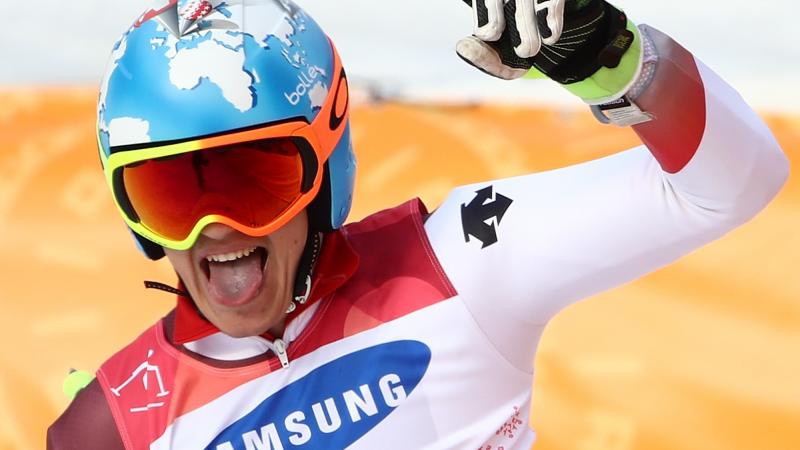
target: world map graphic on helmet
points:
(212, 72)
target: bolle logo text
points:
(335, 404)
(306, 80)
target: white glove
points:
(581, 44)
(536, 22)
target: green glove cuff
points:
(607, 84)
(75, 382)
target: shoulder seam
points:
(422, 234)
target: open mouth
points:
(261, 252)
(235, 278)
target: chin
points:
(256, 318)
(241, 331)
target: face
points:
(243, 284)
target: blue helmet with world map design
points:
(190, 75)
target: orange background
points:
(701, 355)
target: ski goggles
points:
(253, 180)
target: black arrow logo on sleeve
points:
(482, 208)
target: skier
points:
(224, 138)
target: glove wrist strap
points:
(609, 83)
(606, 65)
(624, 111)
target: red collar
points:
(337, 263)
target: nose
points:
(217, 231)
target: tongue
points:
(234, 283)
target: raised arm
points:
(709, 165)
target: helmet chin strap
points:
(165, 287)
(302, 281)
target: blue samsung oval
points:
(335, 404)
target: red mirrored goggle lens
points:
(252, 183)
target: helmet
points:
(191, 75)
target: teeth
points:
(232, 256)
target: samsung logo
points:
(335, 404)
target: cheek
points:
(295, 234)
(182, 263)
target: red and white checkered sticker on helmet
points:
(195, 9)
